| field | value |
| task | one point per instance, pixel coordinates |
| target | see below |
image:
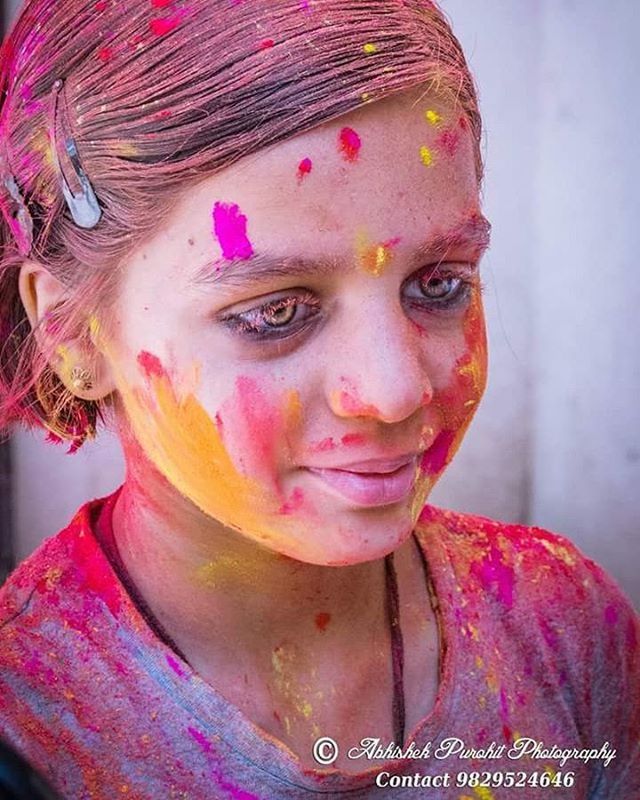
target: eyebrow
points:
(473, 232)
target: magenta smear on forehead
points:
(350, 144)
(230, 229)
(304, 168)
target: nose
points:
(382, 372)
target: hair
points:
(157, 95)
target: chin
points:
(352, 536)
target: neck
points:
(210, 586)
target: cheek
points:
(226, 464)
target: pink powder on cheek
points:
(350, 144)
(230, 229)
(435, 458)
(150, 364)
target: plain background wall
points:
(556, 441)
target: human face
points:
(301, 346)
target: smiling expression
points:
(300, 351)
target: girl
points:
(249, 234)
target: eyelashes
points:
(436, 291)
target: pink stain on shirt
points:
(350, 144)
(495, 575)
(304, 168)
(176, 667)
(230, 229)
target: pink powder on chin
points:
(304, 168)
(230, 229)
(350, 144)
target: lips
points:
(371, 483)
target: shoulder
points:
(516, 563)
(64, 562)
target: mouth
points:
(371, 483)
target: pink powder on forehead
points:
(350, 144)
(304, 168)
(230, 229)
(448, 141)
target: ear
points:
(77, 362)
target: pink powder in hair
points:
(266, 43)
(304, 168)
(161, 3)
(230, 229)
(350, 144)
(105, 54)
(101, 5)
(162, 25)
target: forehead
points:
(401, 169)
(403, 160)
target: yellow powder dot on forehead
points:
(426, 156)
(433, 118)
(372, 258)
(370, 48)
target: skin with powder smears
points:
(336, 321)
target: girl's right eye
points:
(276, 319)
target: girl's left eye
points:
(276, 319)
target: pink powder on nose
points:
(230, 229)
(350, 144)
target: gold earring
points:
(81, 379)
